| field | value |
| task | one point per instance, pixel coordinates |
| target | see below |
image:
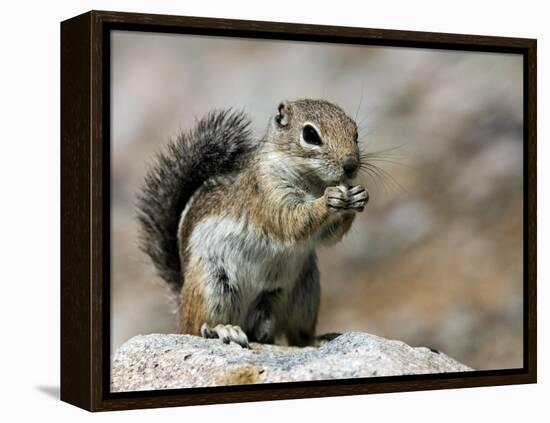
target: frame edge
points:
(76, 325)
(530, 138)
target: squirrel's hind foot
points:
(227, 333)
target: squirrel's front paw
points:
(344, 198)
(358, 198)
(227, 333)
(336, 198)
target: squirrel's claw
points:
(343, 198)
(227, 333)
(336, 198)
(358, 198)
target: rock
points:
(151, 362)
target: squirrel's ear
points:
(283, 114)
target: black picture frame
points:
(85, 209)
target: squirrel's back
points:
(219, 144)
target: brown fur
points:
(193, 310)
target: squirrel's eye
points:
(310, 135)
(356, 136)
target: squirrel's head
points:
(314, 139)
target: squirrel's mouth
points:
(344, 180)
(337, 180)
(321, 178)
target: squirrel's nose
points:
(350, 165)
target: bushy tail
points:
(220, 144)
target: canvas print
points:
(288, 211)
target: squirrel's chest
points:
(248, 258)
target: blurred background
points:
(436, 258)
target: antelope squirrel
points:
(231, 223)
